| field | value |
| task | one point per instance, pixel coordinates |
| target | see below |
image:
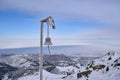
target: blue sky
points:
(78, 22)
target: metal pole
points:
(41, 44)
(41, 48)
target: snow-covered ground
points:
(19, 60)
(46, 76)
(110, 70)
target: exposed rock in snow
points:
(20, 60)
(106, 67)
(4, 68)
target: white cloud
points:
(17, 43)
(100, 11)
(103, 11)
(106, 37)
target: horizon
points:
(73, 50)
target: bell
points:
(48, 41)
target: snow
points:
(99, 74)
(66, 68)
(46, 76)
(18, 60)
(112, 74)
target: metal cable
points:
(47, 29)
(48, 36)
(49, 50)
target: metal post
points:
(51, 22)
(41, 48)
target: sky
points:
(78, 22)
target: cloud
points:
(100, 11)
(105, 37)
(103, 11)
(12, 43)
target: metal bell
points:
(48, 41)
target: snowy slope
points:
(20, 60)
(106, 67)
(47, 76)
